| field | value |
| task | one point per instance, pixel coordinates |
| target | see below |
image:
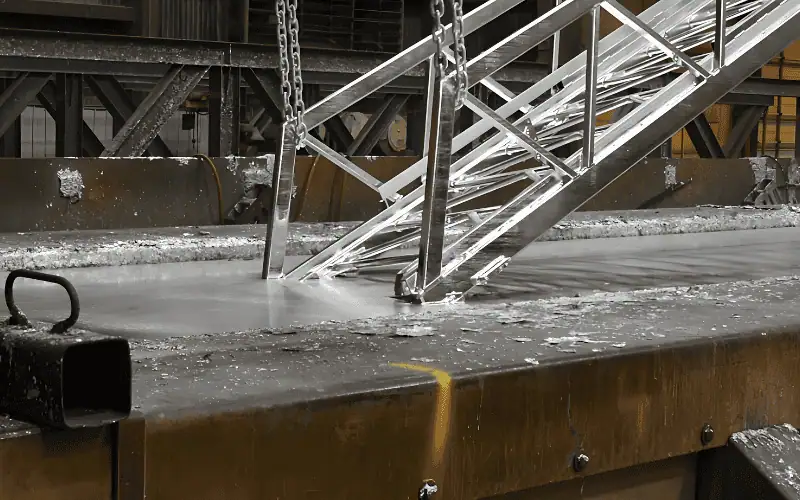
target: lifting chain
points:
(460, 52)
(291, 73)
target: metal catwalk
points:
(619, 72)
(201, 298)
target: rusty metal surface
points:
(487, 399)
(49, 466)
(159, 192)
(625, 379)
(670, 479)
(708, 182)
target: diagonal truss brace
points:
(144, 124)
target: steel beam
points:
(265, 85)
(401, 64)
(735, 99)
(797, 127)
(281, 202)
(113, 52)
(224, 111)
(69, 115)
(11, 141)
(116, 100)
(17, 96)
(703, 138)
(741, 131)
(770, 87)
(437, 184)
(339, 132)
(377, 126)
(90, 144)
(162, 102)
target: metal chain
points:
(297, 78)
(460, 52)
(283, 58)
(437, 11)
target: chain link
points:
(283, 58)
(437, 11)
(291, 75)
(297, 75)
(460, 52)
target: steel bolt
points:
(707, 435)
(428, 489)
(580, 462)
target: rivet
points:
(580, 462)
(707, 434)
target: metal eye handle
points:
(19, 318)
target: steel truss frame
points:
(745, 35)
(111, 64)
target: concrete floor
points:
(209, 297)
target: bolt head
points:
(580, 462)
(707, 434)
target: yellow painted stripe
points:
(443, 405)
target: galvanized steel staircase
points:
(617, 71)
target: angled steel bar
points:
(92, 146)
(437, 181)
(429, 97)
(265, 85)
(401, 63)
(163, 101)
(281, 202)
(338, 130)
(590, 94)
(555, 53)
(115, 99)
(17, 96)
(625, 16)
(524, 140)
(703, 138)
(377, 126)
(69, 115)
(745, 124)
(340, 161)
(224, 111)
(797, 128)
(625, 142)
(720, 37)
(526, 38)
